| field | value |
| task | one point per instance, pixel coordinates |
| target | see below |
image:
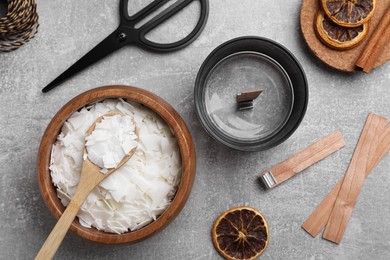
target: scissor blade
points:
(107, 46)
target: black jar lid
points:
(243, 65)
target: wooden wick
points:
(245, 100)
(302, 160)
(249, 95)
(354, 178)
(376, 44)
(318, 219)
(383, 148)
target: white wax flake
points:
(158, 193)
(135, 194)
(124, 107)
(142, 224)
(101, 213)
(66, 128)
(65, 199)
(111, 140)
(142, 184)
(104, 171)
(76, 120)
(166, 146)
(84, 224)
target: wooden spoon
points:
(90, 177)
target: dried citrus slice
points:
(240, 233)
(336, 36)
(349, 13)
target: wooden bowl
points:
(166, 112)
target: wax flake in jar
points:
(138, 192)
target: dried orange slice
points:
(240, 233)
(336, 36)
(349, 13)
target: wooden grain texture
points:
(370, 54)
(167, 113)
(354, 179)
(90, 177)
(320, 216)
(382, 149)
(306, 158)
(378, 50)
(341, 60)
(249, 95)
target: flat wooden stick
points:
(306, 158)
(318, 219)
(353, 180)
(376, 44)
(383, 148)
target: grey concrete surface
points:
(225, 178)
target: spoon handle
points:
(88, 181)
(58, 233)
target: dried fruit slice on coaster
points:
(336, 36)
(349, 13)
(240, 233)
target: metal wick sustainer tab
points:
(268, 180)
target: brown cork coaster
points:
(341, 60)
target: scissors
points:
(127, 33)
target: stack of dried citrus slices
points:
(343, 24)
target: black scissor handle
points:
(143, 13)
(159, 19)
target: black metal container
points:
(241, 65)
